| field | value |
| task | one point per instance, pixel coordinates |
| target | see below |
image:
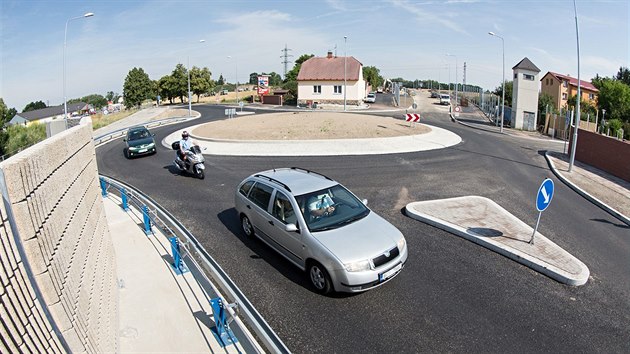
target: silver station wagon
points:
(322, 228)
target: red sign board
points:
(263, 85)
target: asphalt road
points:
(453, 296)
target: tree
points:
(112, 96)
(200, 81)
(180, 81)
(33, 106)
(274, 79)
(96, 100)
(253, 78)
(290, 80)
(586, 107)
(623, 75)
(508, 92)
(21, 137)
(6, 113)
(137, 87)
(545, 101)
(165, 88)
(614, 97)
(221, 80)
(372, 75)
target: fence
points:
(490, 105)
(195, 256)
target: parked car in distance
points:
(445, 99)
(370, 98)
(322, 228)
(139, 141)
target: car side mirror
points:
(290, 228)
(364, 201)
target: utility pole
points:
(464, 80)
(285, 59)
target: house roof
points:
(526, 64)
(329, 69)
(52, 111)
(573, 81)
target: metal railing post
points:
(221, 329)
(178, 264)
(103, 187)
(147, 220)
(125, 203)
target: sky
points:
(402, 38)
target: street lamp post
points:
(345, 59)
(189, 94)
(579, 93)
(503, 84)
(236, 69)
(65, 35)
(456, 81)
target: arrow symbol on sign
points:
(545, 195)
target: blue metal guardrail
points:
(189, 253)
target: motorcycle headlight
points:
(359, 266)
(401, 243)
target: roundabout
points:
(315, 134)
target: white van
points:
(445, 99)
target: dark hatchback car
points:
(139, 141)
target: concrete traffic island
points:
(484, 222)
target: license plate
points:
(390, 273)
(142, 150)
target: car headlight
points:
(151, 145)
(359, 266)
(133, 148)
(401, 243)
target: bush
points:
(21, 137)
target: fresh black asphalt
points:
(453, 296)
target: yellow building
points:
(562, 87)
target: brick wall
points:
(59, 290)
(605, 153)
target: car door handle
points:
(270, 222)
(248, 207)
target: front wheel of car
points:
(247, 227)
(319, 278)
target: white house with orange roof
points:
(321, 81)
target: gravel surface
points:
(307, 125)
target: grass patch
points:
(100, 120)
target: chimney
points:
(329, 54)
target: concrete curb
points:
(525, 259)
(610, 210)
(438, 138)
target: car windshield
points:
(138, 134)
(330, 208)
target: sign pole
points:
(531, 241)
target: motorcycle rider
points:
(184, 144)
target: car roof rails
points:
(309, 171)
(271, 179)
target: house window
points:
(591, 96)
(565, 83)
(528, 77)
(515, 75)
(564, 96)
(317, 88)
(337, 89)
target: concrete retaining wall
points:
(58, 271)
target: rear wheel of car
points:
(247, 227)
(319, 278)
(127, 153)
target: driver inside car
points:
(321, 205)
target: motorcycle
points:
(194, 163)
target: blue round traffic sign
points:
(545, 194)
